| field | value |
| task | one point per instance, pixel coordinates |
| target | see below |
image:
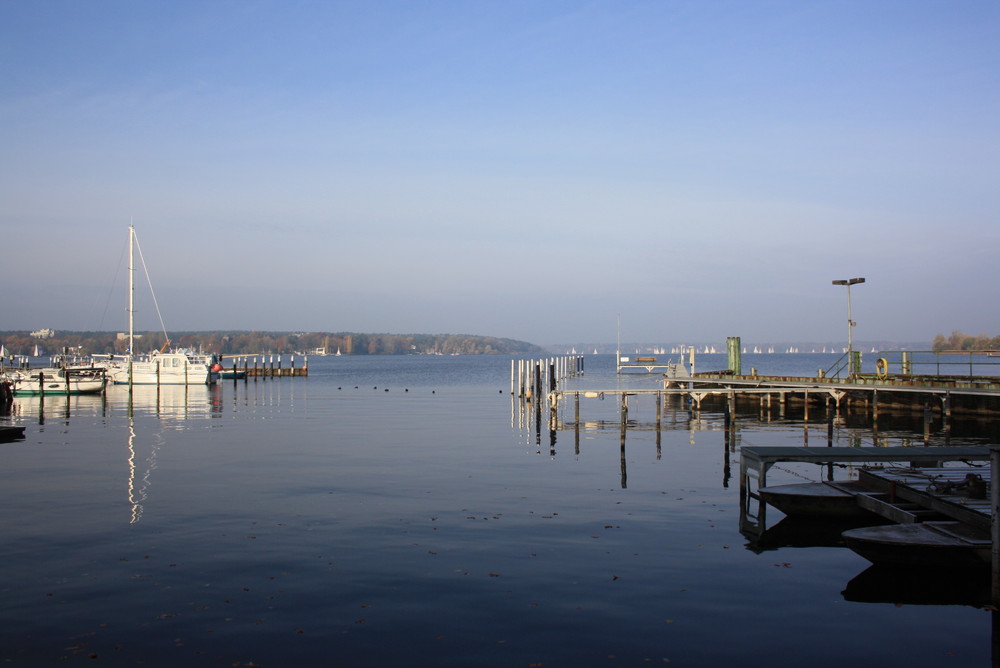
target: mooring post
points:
(995, 521)
(928, 417)
(735, 355)
(728, 429)
(553, 414)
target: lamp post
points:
(850, 323)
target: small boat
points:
(8, 433)
(82, 380)
(926, 544)
(232, 374)
(834, 498)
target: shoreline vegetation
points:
(960, 341)
(255, 343)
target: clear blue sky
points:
(521, 169)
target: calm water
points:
(401, 511)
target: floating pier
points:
(925, 484)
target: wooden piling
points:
(995, 522)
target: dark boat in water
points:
(831, 499)
(8, 434)
(928, 544)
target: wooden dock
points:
(931, 487)
(242, 367)
(974, 396)
(276, 372)
(755, 462)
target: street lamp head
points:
(840, 282)
(855, 281)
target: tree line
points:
(249, 343)
(960, 341)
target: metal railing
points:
(964, 363)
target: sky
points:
(534, 170)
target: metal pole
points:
(850, 333)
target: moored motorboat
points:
(928, 544)
(82, 380)
(171, 368)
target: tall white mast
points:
(131, 288)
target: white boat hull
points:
(57, 381)
(165, 369)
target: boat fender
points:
(882, 367)
(217, 367)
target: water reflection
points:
(173, 403)
(137, 489)
(57, 406)
(920, 586)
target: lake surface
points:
(394, 511)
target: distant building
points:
(123, 336)
(43, 334)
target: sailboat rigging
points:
(179, 367)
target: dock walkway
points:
(934, 489)
(968, 396)
(756, 461)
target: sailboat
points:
(159, 367)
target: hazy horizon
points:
(522, 170)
